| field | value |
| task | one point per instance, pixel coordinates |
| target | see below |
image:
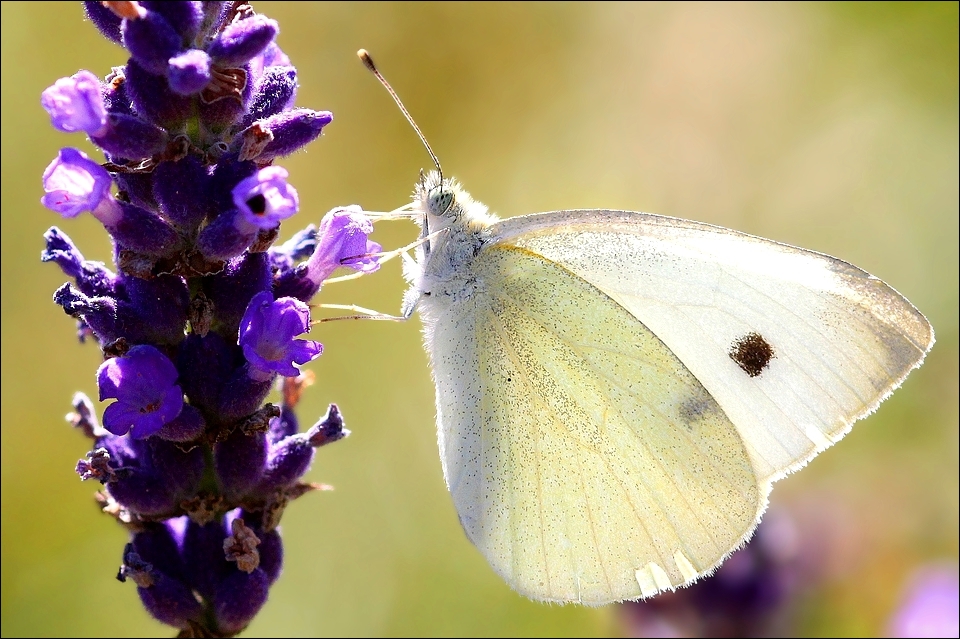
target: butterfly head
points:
(443, 202)
(437, 197)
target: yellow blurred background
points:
(829, 126)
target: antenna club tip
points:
(366, 59)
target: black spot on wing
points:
(752, 353)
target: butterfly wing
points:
(585, 461)
(840, 340)
(617, 392)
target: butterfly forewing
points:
(839, 339)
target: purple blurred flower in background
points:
(750, 595)
(199, 319)
(931, 604)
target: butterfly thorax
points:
(454, 229)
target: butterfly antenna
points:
(368, 62)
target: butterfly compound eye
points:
(440, 201)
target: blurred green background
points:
(828, 126)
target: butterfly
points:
(616, 392)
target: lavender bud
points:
(203, 556)
(98, 313)
(239, 598)
(159, 545)
(184, 18)
(293, 130)
(283, 426)
(271, 554)
(143, 231)
(185, 427)
(92, 278)
(128, 136)
(226, 237)
(151, 40)
(154, 100)
(106, 21)
(159, 307)
(146, 492)
(241, 41)
(203, 363)
(189, 72)
(275, 93)
(231, 289)
(181, 190)
(289, 459)
(240, 461)
(241, 395)
(137, 188)
(115, 97)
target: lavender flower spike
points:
(142, 381)
(76, 104)
(192, 320)
(267, 334)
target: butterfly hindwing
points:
(586, 462)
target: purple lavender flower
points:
(341, 240)
(193, 323)
(74, 183)
(76, 104)
(143, 383)
(265, 199)
(267, 334)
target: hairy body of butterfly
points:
(617, 391)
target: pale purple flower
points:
(76, 104)
(267, 333)
(342, 241)
(265, 198)
(931, 607)
(144, 383)
(74, 183)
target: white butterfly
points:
(617, 391)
